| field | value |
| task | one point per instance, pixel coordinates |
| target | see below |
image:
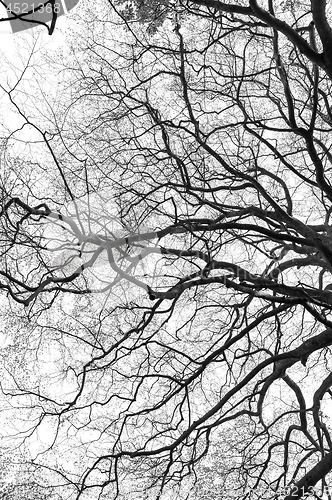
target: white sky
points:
(14, 53)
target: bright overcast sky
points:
(14, 53)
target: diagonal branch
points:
(311, 478)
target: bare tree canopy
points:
(166, 243)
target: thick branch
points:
(273, 22)
(318, 8)
(311, 478)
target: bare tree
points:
(168, 231)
